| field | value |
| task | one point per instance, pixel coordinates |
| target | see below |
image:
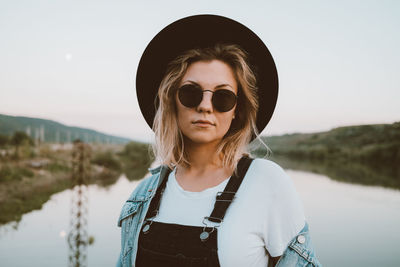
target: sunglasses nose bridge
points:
(206, 101)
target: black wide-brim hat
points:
(201, 31)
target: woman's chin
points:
(202, 139)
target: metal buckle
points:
(220, 193)
(223, 192)
(204, 235)
(146, 227)
(207, 218)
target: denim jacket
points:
(298, 253)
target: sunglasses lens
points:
(190, 95)
(224, 100)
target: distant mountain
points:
(52, 131)
(374, 143)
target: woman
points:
(210, 204)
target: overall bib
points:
(175, 245)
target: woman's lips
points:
(203, 124)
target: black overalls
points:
(175, 245)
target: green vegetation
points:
(372, 144)
(136, 158)
(51, 131)
(57, 166)
(107, 159)
(348, 172)
(18, 138)
(366, 154)
(21, 143)
(109, 168)
(28, 195)
(4, 140)
(8, 173)
(28, 181)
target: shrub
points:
(57, 167)
(4, 140)
(107, 159)
(8, 173)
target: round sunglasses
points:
(191, 95)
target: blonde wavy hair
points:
(169, 145)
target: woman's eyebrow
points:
(223, 85)
(216, 87)
(192, 82)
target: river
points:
(351, 225)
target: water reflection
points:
(349, 172)
(18, 204)
(41, 234)
(351, 225)
(78, 238)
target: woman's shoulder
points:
(266, 164)
(276, 192)
(267, 176)
(268, 170)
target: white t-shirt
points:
(265, 214)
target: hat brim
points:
(201, 31)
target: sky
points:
(75, 62)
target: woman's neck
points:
(202, 157)
(205, 168)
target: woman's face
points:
(209, 75)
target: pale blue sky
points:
(75, 61)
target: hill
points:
(51, 131)
(373, 144)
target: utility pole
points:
(78, 238)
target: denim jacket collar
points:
(155, 169)
(143, 194)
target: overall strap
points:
(224, 199)
(155, 202)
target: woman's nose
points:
(206, 103)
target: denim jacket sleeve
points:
(300, 251)
(132, 216)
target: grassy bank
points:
(28, 182)
(348, 172)
(372, 144)
(366, 154)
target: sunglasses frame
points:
(212, 98)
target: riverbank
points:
(377, 144)
(363, 154)
(27, 183)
